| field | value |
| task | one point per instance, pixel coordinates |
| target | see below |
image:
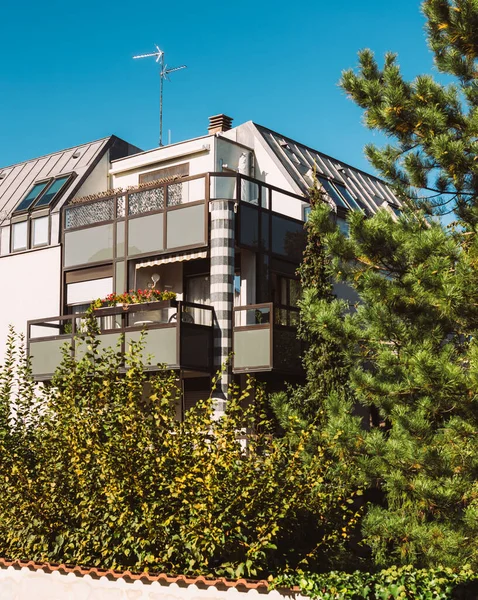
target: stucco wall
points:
(24, 584)
(30, 284)
(198, 153)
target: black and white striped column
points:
(222, 289)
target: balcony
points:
(179, 335)
(265, 339)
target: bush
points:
(396, 582)
(96, 470)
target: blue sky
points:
(67, 74)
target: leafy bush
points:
(396, 582)
(97, 470)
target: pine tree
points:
(323, 359)
(432, 159)
(410, 346)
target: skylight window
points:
(52, 192)
(32, 196)
(332, 192)
(395, 209)
(347, 196)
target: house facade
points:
(216, 219)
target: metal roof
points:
(300, 162)
(17, 180)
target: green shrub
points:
(396, 582)
(96, 470)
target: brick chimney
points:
(219, 123)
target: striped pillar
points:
(222, 290)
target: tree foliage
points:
(323, 358)
(432, 159)
(411, 344)
(97, 470)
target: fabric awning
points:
(180, 257)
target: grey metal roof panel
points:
(16, 180)
(295, 157)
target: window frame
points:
(68, 177)
(33, 212)
(27, 237)
(32, 218)
(29, 224)
(47, 181)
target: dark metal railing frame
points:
(271, 325)
(124, 311)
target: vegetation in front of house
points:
(409, 424)
(99, 471)
(405, 420)
(396, 582)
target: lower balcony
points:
(179, 335)
(265, 339)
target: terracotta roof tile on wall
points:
(220, 583)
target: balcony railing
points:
(265, 339)
(178, 335)
(173, 216)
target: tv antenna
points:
(164, 71)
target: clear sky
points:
(67, 74)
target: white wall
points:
(24, 584)
(269, 169)
(198, 153)
(30, 285)
(97, 181)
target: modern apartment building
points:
(216, 219)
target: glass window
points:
(288, 237)
(40, 231)
(32, 195)
(332, 192)
(19, 236)
(348, 196)
(53, 191)
(249, 225)
(343, 226)
(306, 210)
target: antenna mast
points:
(164, 71)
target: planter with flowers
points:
(132, 297)
(146, 306)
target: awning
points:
(180, 257)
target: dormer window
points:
(30, 224)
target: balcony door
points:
(198, 290)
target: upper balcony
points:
(179, 335)
(173, 216)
